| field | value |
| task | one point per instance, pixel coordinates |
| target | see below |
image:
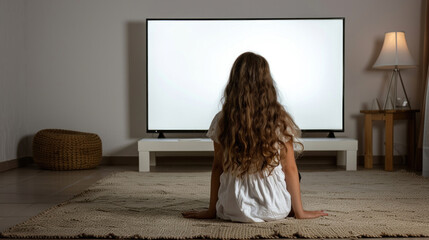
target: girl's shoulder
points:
(282, 136)
(213, 129)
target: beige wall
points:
(13, 122)
(86, 59)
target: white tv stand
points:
(346, 149)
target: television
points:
(189, 60)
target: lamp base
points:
(396, 72)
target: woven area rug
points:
(148, 206)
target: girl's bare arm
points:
(290, 169)
(217, 170)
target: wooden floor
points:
(27, 191)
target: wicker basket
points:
(58, 149)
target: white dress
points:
(252, 198)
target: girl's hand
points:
(199, 214)
(310, 214)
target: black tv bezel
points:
(228, 19)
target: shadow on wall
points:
(367, 104)
(136, 44)
(125, 150)
(360, 121)
(24, 150)
(384, 77)
(382, 84)
(375, 52)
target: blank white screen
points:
(189, 63)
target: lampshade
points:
(394, 53)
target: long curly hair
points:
(253, 126)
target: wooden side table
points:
(389, 117)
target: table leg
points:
(368, 141)
(388, 162)
(144, 161)
(347, 159)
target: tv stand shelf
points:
(346, 149)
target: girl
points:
(254, 175)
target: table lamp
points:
(395, 55)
